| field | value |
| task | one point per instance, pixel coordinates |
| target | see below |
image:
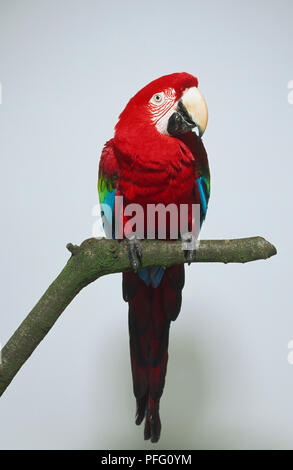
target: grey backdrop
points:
(67, 69)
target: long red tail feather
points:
(150, 312)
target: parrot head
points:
(171, 105)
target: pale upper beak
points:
(191, 112)
(196, 106)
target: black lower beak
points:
(180, 121)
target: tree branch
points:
(97, 257)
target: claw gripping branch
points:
(98, 257)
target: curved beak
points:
(191, 112)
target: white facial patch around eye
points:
(162, 123)
(160, 112)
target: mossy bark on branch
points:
(98, 257)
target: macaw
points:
(155, 157)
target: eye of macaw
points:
(158, 98)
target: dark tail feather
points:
(150, 312)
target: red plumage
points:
(146, 166)
(150, 312)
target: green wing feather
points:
(107, 186)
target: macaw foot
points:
(152, 428)
(141, 405)
(189, 255)
(134, 252)
(189, 244)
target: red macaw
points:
(154, 158)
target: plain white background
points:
(67, 70)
